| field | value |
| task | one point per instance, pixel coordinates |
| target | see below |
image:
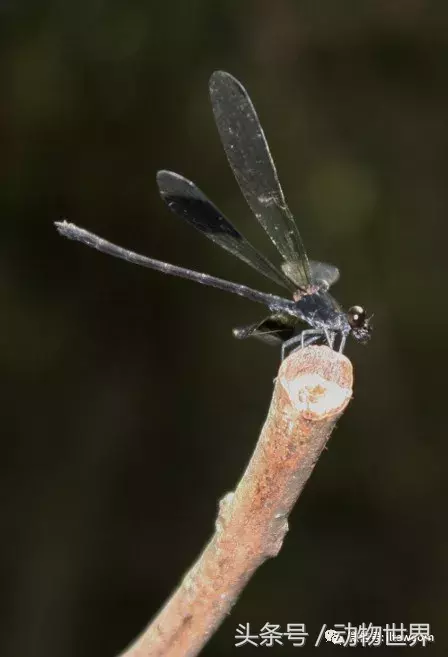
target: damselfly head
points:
(360, 324)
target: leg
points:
(305, 338)
(330, 336)
(342, 343)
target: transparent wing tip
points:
(169, 181)
(164, 175)
(216, 76)
(220, 78)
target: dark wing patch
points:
(273, 330)
(186, 200)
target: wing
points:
(190, 203)
(322, 274)
(273, 330)
(248, 153)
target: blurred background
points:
(128, 410)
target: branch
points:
(313, 387)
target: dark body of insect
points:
(312, 315)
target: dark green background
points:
(128, 409)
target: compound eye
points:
(356, 316)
